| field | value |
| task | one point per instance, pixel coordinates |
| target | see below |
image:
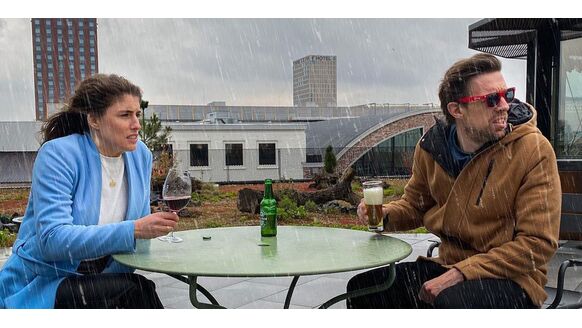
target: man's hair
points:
(92, 96)
(455, 83)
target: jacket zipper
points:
(489, 169)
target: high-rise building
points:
(315, 81)
(64, 52)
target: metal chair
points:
(570, 246)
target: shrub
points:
(310, 206)
(196, 184)
(287, 209)
(211, 194)
(230, 195)
(329, 160)
(301, 212)
(5, 219)
(316, 223)
(356, 186)
(287, 204)
(161, 166)
(7, 238)
(213, 224)
(14, 194)
(246, 218)
(285, 193)
(196, 199)
(209, 187)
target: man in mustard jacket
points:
(486, 183)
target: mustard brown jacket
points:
(499, 216)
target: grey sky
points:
(249, 61)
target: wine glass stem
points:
(172, 231)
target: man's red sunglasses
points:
(491, 99)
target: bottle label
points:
(263, 219)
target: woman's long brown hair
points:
(93, 96)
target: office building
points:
(64, 52)
(315, 81)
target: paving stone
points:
(284, 281)
(262, 304)
(245, 292)
(216, 283)
(313, 293)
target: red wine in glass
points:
(176, 203)
(176, 194)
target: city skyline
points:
(250, 61)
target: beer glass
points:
(373, 197)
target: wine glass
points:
(176, 193)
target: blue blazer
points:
(59, 228)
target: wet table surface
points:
(242, 252)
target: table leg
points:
(198, 287)
(290, 292)
(364, 291)
(194, 300)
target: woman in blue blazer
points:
(89, 199)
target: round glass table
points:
(242, 252)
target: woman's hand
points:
(155, 225)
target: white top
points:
(113, 190)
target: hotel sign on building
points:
(315, 81)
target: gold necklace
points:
(112, 182)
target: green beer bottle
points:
(268, 211)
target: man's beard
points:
(482, 137)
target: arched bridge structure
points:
(352, 138)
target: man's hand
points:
(362, 212)
(432, 288)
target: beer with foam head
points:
(373, 197)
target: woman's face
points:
(117, 130)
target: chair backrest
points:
(571, 220)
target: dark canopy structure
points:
(510, 37)
(540, 41)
